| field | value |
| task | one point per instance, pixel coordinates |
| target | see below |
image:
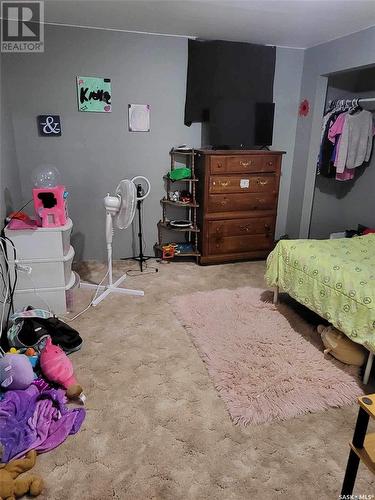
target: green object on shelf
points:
(180, 173)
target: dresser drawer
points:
(236, 244)
(242, 184)
(241, 201)
(239, 227)
(242, 163)
(269, 163)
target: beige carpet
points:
(156, 427)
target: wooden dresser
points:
(237, 193)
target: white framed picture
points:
(139, 117)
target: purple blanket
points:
(35, 418)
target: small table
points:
(362, 445)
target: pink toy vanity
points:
(50, 206)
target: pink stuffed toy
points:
(58, 368)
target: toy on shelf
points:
(12, 486)
(168, 251)
(56, 367)
(49, 197)
(186, 197)
(16, 372)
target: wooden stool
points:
(362, 446)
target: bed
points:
(334, 278)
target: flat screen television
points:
(238, 124)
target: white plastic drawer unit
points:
(58, 300)
(40, 243)
(43, 273)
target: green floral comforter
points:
(334, 278)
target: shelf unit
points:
(362, 447)
(187, 158)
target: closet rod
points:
(365, 100)
(358, 100)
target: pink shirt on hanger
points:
(336, 129)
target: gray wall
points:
(96, 150)
(352, 51)
(10, 186)
(286, 92)
(10, 190)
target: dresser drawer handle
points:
(261, 200)
(262, 183)
(222, 183)
(223, 202)
(270, 163)
(267, 227)
(244, 228)
(246, 163)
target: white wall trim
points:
(315, 136)
(190, 37)
(119, 30)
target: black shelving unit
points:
(187, 157)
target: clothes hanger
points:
(355, 108)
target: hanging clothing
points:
(334, 135)
(346, 175)
(335, 131)
(325, 164)
(356, 141)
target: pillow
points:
(341, 347)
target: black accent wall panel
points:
(220, 70)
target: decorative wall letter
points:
(49, 125)
(94, 94)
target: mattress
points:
(334, 278)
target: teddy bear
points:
(341, 347)
(12, 486)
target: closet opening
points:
(345, 176)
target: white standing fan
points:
(120, 209)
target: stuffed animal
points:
(31, 354)
(341, 347)
(16, 372)
(58, 368)
(12, 486)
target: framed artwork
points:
(139, 117)
(49, 125)
(94, 94)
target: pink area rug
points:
(266, 362)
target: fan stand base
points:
(113, 288)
